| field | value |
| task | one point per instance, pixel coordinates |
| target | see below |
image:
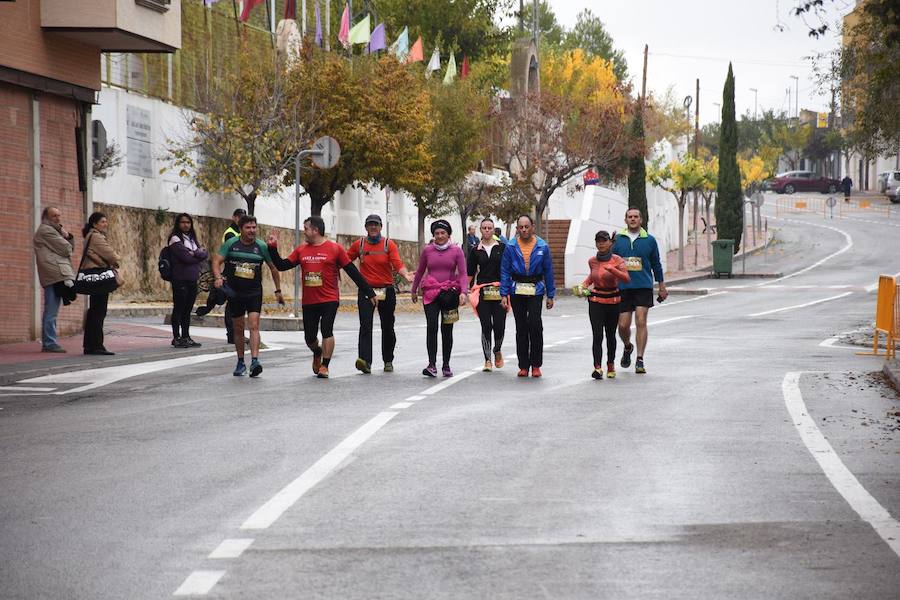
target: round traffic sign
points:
(758, 199)
(831, 202)
(326, 152)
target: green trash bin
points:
(723, 253)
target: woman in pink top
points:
(607, 271)
(444, 289)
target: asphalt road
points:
(693, 481)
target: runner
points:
(379, 258)
(641, 254)
(606, 271)
(484, 271)
(243, 257)
(320, 260)
(526, 275)
(443, 292)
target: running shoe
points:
(362, 365)
(255, 368)
(317, 361)
(597, 373)
(446, 372)
(240, 369)
(323, 372)
(430, 371)
(639, 366)
(522, 373)
(487, 366)
(498, 360)
(626, 356)
(536, 372)
(388, 367)
(610, 370)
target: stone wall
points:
(138, 235)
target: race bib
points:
(244, 271)
(312, 279)
(491, 293)
(451, 316)
(381, 294)
(526, 289)
(634, 263)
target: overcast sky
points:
(696, 38)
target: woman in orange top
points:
(607, 270)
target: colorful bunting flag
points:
(465, 68)
(361, 32)
(247, 7)
(451, 70)
(290, 9)
(209, 3)
(417, 53)
(434, 64)
(344, 33)
(318, 26)
(400, 48)
(378, 41)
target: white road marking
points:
(231, 548)
(22, 388)
(269, 512)
(414, 398)
(830, 342)
(847, 247)
(450, 381)
(95, 378)
(838, 474)
(796, 306)
(704, 297)
(670, 320)
(199, 583)
(401, 405)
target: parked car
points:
(802, 181)
(889, 185)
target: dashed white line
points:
(859, 499)
(450, 381)
(796, 306)
(401, 405)
(22, 388)
(199, 583)
(414, 398)
(231, 548)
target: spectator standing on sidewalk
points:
(187, 256)
(53, 247)
(97, 253)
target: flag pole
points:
(327, 25)
(303, 13)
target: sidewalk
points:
(131, 343)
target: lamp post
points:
(796, 95)
(755, 96)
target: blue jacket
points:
(644, 248)
(540, 264)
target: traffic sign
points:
(326, 152)
(831, 202)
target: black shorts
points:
(318, 317)
(635, 297)
(241, 305)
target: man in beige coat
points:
(53, 247)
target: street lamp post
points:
(755, 96)
(796, 95)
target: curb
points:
(891, 370)
(266, 322)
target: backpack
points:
(165, 263)
(362, 249)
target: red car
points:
(802, 181)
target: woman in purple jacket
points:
(444, 290)
(187, 256)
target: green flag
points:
(451, 70)
(360, 33)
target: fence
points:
(798, 205)
(864, 206)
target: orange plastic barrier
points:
(807, 205)
(864, 206)
(887, 316)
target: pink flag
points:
(465, 68)
(248, 6)
(344, 35)
(417, 52)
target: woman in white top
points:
(187, 257)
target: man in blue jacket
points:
(641, 254)
(526, 275)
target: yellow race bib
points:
(526, 289)
(381, 294)
(634, 263)
(451, 316)
(244, 271)
(491, 293)
(312, 279)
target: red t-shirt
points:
(320, 266)
(377, 267)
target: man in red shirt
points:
(320, 260)
(379, 258)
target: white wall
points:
(175, 194)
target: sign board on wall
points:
(138, 137)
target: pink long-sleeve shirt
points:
(444, 266)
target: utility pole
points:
(755, 96)
(796, 96)
(644, 81)
(534, 21)
(327, 25)
(696, 157)
(521, 16)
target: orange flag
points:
(416, 53)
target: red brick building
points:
(49, 76)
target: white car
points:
(889, 185)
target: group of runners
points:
(496, 278)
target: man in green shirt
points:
(242, 258)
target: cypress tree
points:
(637, 170)
(729, 197)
